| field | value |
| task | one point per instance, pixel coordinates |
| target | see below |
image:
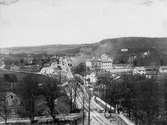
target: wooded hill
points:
(137, 46)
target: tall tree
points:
(74, 87)
(29, 91)
(104, 81)
(137, 95)
(81, 69)
(11, 78)
(51, 92)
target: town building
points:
(104, 63)
(55, 59)
(14, 67)
(28, 60)
(91, 77)
(30, 68)
(152, 70)
(88, 64)
(12, 99)
(2, 64)
(5, 51)
(148, 71)
(60, 65)
(139, 70)
(124, 50)
(163, 69)
(121, 68)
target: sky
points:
(41, 22)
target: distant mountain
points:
(157, 47)
(50, 49)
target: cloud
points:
(34, 22)
(147, 2)
(8, 2)
(140, 2)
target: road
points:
(97, 118)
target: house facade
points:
(104, 63)
(163, 69)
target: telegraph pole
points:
(60, 76)
(89, 109)
(71, 100)
(84, 95)
(83, 108)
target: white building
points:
(91, 77)
(59, 66)
(124, 50)
(104, 63)
(121, 68)
(88, 64)
(163, 69)
(2, 64)
(139, 70)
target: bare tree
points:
(73, 92)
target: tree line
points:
(143, 100)
(38, 97)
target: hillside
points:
(50, 49)
(135, 45)
(107, 45)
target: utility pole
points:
(60, 76)
(71, 100)
(83, 108)
(89, 109)
(83, 96)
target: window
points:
(11, 96)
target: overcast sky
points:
(39, 22)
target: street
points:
(96, 118)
